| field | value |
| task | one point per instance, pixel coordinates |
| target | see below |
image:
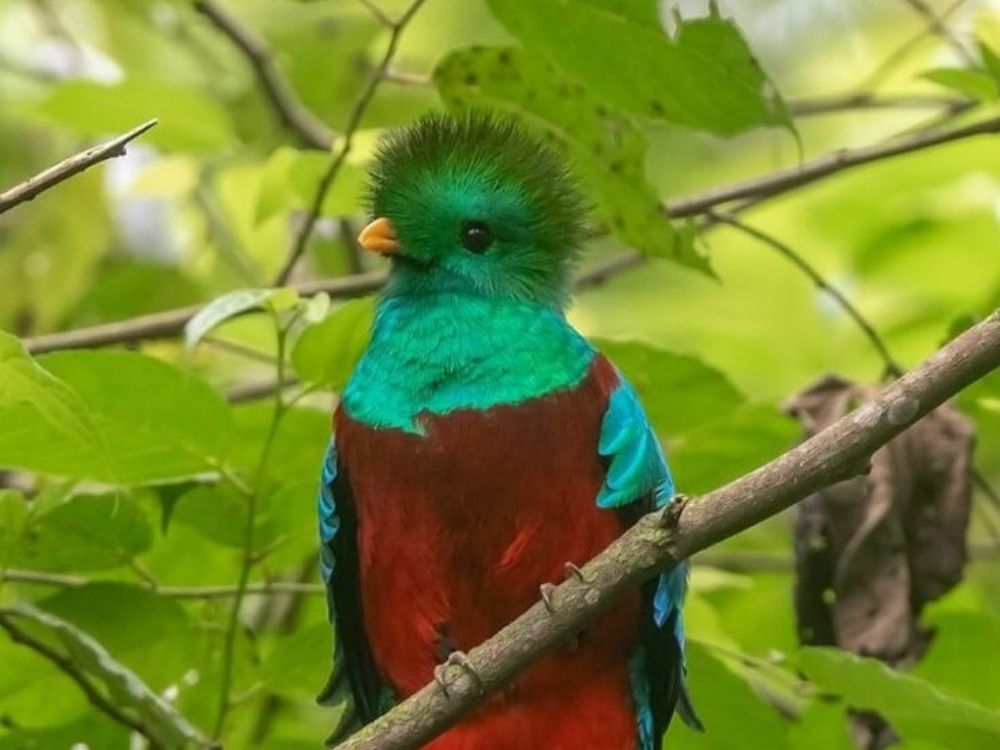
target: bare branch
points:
(754, 191)
(291, 112)
(66, 665)
(838, 452)
(33, 186)
(784, 180)
(377, 12)
(877, 76)
(891, 367)
(171, 323)
(937, 25)
(868, 100)
(261, 588)
(326, 182)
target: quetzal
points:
(481, 445)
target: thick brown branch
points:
(326, 181)
(838, 452)
(33, 186)
(171, 323)
(291, 112)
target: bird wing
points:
(339, 563)
(638, 481)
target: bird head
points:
(474, 204)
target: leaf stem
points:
(248, 557)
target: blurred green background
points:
(135, 480)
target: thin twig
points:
(344, 148)
(171, 322)
(879, 74)
(869, 100)
(759, 561)
(257, 389)
(377, 12)
(250, 556)
(890, 365)
(937, 26)
(783, 180)
(33, 186)
(259, 588)
(839, 452)
(291, 112)
(67, 667)
(755, 191)
(402, 78)
(241, 350)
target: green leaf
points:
(991, 61)
(46, 425)
(233, 304)
(99, 730)
(13, 519)
(219, 513)
(947, 664)
(161, 720)
(293, 667)
(127, 287)
(297, 449)
(678, 392)
(727, 706)
(290, 176)
(821, 727)
(188, 119)
(327, 352)
(973, 83)
(86, 532)
(704, 76)
(915, 708)
(718, 452)
(606, 151)
(157, 422)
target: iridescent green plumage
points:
(430, 179)
(457, 329)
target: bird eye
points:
(476, 237)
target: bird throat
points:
(439, 352)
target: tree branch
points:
(291, 112)
(65, 665)
(34, 186)
(171, 323)
(937, 25)
(659, 540)
(891, 367)
(872, 101)
(784, 180)
(261, 588)
(326, 181)
(890, 63)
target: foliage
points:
(156, 527)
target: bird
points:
(482, 450)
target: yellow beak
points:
(379, 237)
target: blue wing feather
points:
(329, 521)
(339, 565)
(638, 473)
